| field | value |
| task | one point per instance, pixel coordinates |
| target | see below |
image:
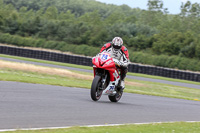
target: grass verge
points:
(163, 90)
(28, 73)
(39, 78)
(90, 68)
(176, 127)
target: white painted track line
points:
(105, 125)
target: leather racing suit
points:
(121, 55)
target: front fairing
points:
(107, 64)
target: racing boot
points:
(122, 85)
(123, 75)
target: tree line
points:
(88, 24)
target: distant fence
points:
(87, 61)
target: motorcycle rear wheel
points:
(116, 97)
(96, 90)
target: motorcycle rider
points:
(120, 55)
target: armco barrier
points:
(82, 60)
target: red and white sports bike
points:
(106, 78)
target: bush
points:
(137, 57)
(166, 61)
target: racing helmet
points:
(117, 43)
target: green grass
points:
(177, 127)
(134, 86)
(90, 68)
(144, 87)
(164, 90)
(37, 78)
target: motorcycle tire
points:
(96, 91)
(116, 97)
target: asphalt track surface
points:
(90, 71)
(24, 105)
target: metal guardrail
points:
(87, 61)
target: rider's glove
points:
(117, 62)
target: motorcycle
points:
(106, 78)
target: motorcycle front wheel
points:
(96, 90)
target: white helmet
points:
(117, 43)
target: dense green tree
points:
(155, 5)
(51, 13)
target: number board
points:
(104, 57)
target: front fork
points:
(104, 81)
